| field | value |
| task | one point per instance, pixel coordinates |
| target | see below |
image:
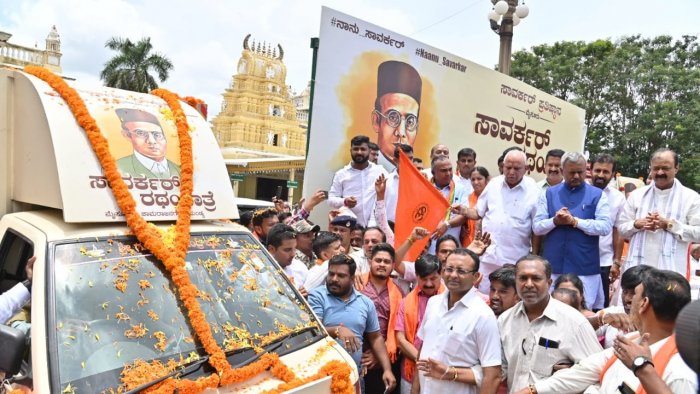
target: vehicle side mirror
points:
(12, 347)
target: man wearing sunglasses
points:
(395, 114)
(147, 138)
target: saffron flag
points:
(420, 204)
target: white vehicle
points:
(99, 299)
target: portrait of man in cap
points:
(148, 140)
(396, 108)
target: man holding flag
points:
(426, 204)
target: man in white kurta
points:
(507, 205)
(661, 219)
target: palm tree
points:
(130, 68)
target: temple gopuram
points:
(261, 136)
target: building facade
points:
(262, 140)
(20, 56)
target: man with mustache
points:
(459, 332)
(540, 334)
(454, 193)
(146, 135)
(353, 185)
(396, 108)
(411, 312)
(661, 219)
(572, 216)
(644, 362)
(350, 316)
(552, 163)
(502, 294)
(610, 245)
(386, 296)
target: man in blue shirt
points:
(349, 315)
(571, 216)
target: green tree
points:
(639, 94)
(133, 64)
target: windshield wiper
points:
(192, 367)
(276, 344)
(197, 364)
(257, 356)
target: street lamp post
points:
(505, 15)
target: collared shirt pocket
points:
(544, 359)
(453, 344)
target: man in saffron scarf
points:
(386, 297)
(410, 315)
(650, 364)
(442, 179)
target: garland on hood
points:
(173, 258)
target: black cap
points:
(135, 115)
(398, 77)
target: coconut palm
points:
(133, 64)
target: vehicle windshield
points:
(114, 303)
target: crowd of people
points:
(563, 285)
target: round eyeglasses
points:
(144, 134)
(393, 118)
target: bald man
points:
(507, 206)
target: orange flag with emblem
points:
(420, 204)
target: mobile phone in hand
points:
(325, 194)
(278, 195)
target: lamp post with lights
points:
(505, 15)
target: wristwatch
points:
(639, 362)
(28, 284)
(669, 225)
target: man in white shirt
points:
(282, 245)
(661, 219)
(443, 181)
(540, 334)
(651, 361)
(466, 161)
(391, 193)
(370, 236)
(507, 206)
(353, 185)
(458, 332)
(12, 301)
(610, 245)
(552, 164)
(325, 245)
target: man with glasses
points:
(458, 331)
(146, 135)
(395, 114)
(540, 334)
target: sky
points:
(204, 38)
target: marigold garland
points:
(173, 257)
